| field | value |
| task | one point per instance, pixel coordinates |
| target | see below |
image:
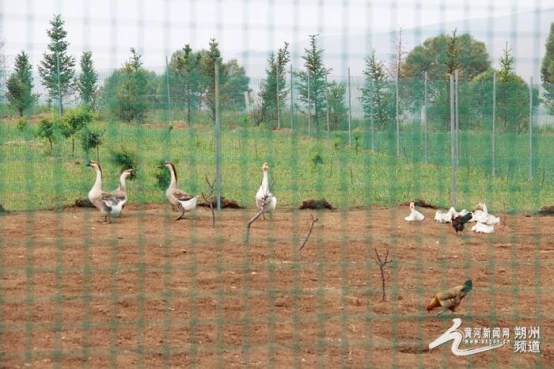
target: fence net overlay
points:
(274, 152)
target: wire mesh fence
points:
(268, 221)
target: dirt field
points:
(146, 291)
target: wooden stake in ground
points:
(312, 222)
(209, 198)
(382, 263)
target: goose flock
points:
(484, 222)
(111, 204)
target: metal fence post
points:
(452, 143)
(494, 124)
(327, 103)
(457, 121)
(217, 141)
(349, 109)
(531, 128)
(168, 92)
(425, 129)
(291, 102)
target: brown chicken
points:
(450, 299)
(459, 221)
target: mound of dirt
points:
(546, 210)
(83, 203)
(421, 203)
(225, 203)
(316, 204)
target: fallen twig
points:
(209, 199)
(260, 212)
(312, 222)
(382, 263)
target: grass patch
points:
(301, 167)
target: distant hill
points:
(525, 32)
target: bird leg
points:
(181, 216)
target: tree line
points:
(389, 90)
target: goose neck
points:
(173, 183)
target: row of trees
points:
(389, 91)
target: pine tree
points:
(274, 89)
(506, 64)
(377, 97)
(311, 81)
(57, 67)
(337, 104)
(185, 82)
(130, 94)
(212, 58)
(87, 83)
(547, 71)
(20, 85)
(453, 53)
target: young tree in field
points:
(73, 121)
(311, 81)
(20, 85)
(129, 86)
(274, 88)
(48, 129)
(377, 97)
(57, 67)
(547, 71)
(512, 96)
(184, 70)
(87, 84)
(234, 84)
(210, 59)
(337, 104)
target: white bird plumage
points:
(180, 199)
(483, 228)
(264, 198)
(109, 204)
(483, 216)
(415, 216)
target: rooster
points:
(459, 221)
(451, 298)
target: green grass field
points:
(301, 167)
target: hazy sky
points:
(158, 27)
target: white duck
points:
(109, 204)
(445, 217)
(264, 198)
(483, 216)
(483, 228)
(121, 191)
(415, 216)
(180, 199)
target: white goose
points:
(182, 200)
(483, 228)
(264, 198)
(121, 191)
(109, 204)
(483, 216)
(415, 216)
